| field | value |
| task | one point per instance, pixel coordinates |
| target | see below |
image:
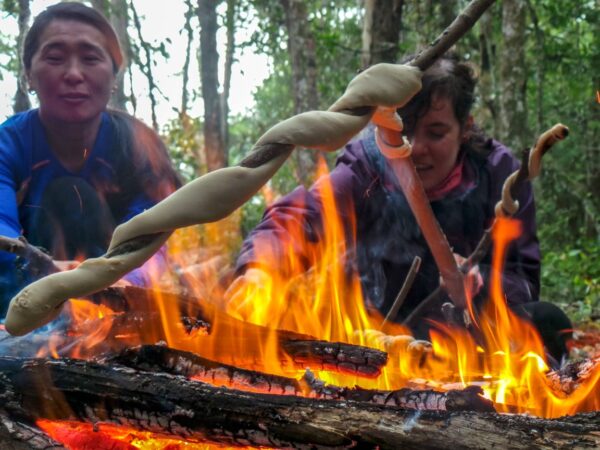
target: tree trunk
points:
(513, 76)
(119, 19)
(229, 54)
(488, 80)
(146, 65)
(214, 145)
(21, 102)
(303, 59)
(381, 31)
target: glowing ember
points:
(84, 436)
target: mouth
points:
(74, 97)
(423, 167)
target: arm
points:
(270, 244)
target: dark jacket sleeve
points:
(270, 242)
(521, 275)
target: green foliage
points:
(183, 139)
(571, 278)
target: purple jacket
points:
(387, 235)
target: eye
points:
(436, 135)
(91, 58)
(54, 58)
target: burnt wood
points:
(158, 358)
(16, 435)
(171, 405)
(303, 350)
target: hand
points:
(252, 284)
(473, 281)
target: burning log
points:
(16, 435)
(163, 359)
(304, 350)
(171, 405)
(138, 317)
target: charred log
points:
(172, 405)
(20, 436)
(154, 358)
(158, 358)
(304, 350)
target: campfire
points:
(299, 363)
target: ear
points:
(30, 83)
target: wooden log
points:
(159, 358)
(303, 350)
(172, 405)
(16, 435)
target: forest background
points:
(538, 63)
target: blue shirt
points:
(28, 166)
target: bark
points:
(119, 19)
(16, 435)
(214, 145)
(303, 59)
(117, 13)
(183, 110)
(488, 79)
(196, 411)
(153, 358)
(146, 65)
(513, 75)
(381, 31)
(21, 102)
(232, 6)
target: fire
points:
(502, 353)
(77, 435)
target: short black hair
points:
(77, 12)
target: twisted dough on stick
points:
(508, 206)
(215, 195)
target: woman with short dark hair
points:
(462, 173)
(71, 170)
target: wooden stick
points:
(39, 262)
(530, 167)
(408, 282)
(459, 26)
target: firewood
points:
(304, 350)
(156, 358)
(159, 358)
(172, 405)
(15, 435)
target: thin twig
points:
(542, 145)
(408, 282)
(39, 262)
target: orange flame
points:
(506, 357)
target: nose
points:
(418, 146)
(73, 71)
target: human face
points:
(72, 73)
(436, 142)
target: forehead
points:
(62, 32)
(440, 110)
